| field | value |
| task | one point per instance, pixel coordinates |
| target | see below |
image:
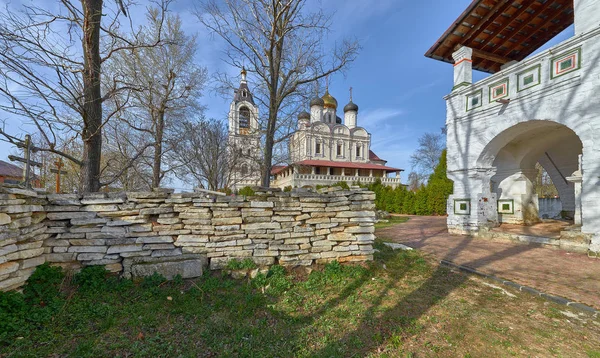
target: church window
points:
(244, 170)
(318, 148)
(340, 150)
(358, 151)
(244, 120)
(248, 152)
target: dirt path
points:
(571, 275)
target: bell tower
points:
(244, 138)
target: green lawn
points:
(402, 305)
(393, 220)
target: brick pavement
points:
(570, 275)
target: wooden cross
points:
(59, 165)
(28, 148)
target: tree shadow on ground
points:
(401, 317)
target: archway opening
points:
(517, 156)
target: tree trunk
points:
(160, 126)
(269, 143)
(92, 107)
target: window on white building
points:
(340, 150)
(318, 148)
(244, 121)
(358, 150)
(244, 169)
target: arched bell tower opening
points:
(511, 158)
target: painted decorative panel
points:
(506, 206)
(499, 90)
(529, 78)
(474, 100)
(565, 63)
(462, 206)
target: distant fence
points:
(549, 207)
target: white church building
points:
(542, 108)
(326, 149)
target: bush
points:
(287, 188)
(246, 191)
(427, 200)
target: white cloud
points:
(372, 117)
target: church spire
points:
(243, 73)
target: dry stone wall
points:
(138, 234)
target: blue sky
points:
(399, 90)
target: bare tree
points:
(281, 44)
(51, 61)
(426, 157)
(203, 151)
(170, 86)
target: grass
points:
(393, 220)
(401, 305)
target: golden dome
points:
(330, 102)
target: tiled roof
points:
(276, 169)
(374, 158)
(10, 170)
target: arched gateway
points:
(542, 109)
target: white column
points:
(463, 66)
(371, 173)
(356, 173)
(312, 170)
(577, 178)
(343, 171)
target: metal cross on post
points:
(28, 148)
(59, 164)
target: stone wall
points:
(137, 234)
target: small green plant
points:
(245, 264)
(278, 281)
(287, 188)
(246, 191)
(13, 311)
(234, 264)
(155, 280)
(91, 278)
(342, 184)
(43, 286)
